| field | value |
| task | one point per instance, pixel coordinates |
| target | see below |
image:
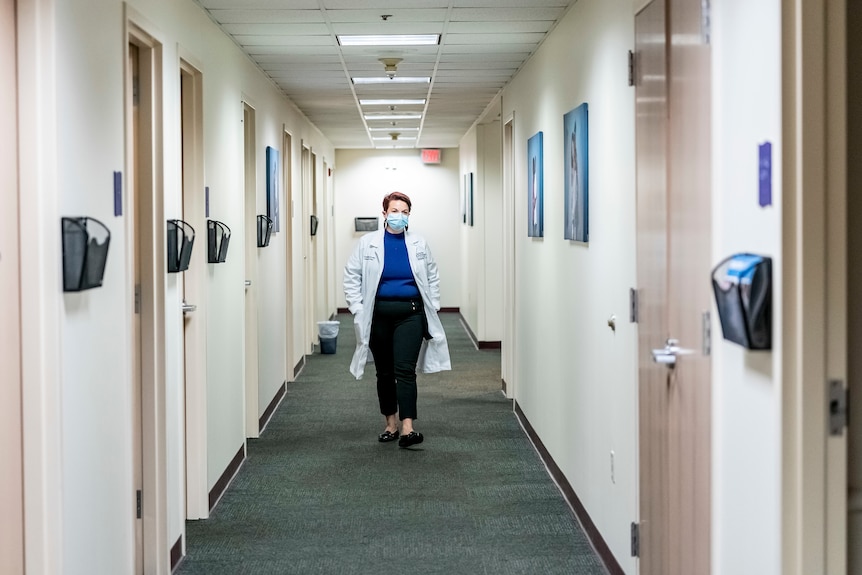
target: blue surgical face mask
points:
(396, 221)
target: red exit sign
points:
(430, 156)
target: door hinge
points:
(707, 334)
(633, 305)
(838, 413)
(706, 21)
(137, 298)
(631, 68)
(140, 497)
(636, 540)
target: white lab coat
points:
(361, 278)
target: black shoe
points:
(412, 438)
(387, 436)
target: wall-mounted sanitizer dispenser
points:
(743, 294)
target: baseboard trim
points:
(176, 553)
(592, 532)
(270, 409)
(479, 344)
(504, 387)
(297, 369)
(229, 473)
(489, 344)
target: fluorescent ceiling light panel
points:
(395, 80)
(398, 140)
(415, 102)
(392, 116)
(388, 39)
(391, 128)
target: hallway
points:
(319, 494)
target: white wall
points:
(364, 177)
(490, 222)
(576, 378)
(482, 263)
(97, 402)
(471, 237)
(746, 479)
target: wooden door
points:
(133, 185)
(252, 411)
(11, 423)
(287, 162)
(674, 260)
(146, 230)
(689, 297)
(193, 292)
(651, 108)
(507, 354)
(308, 269)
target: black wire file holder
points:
(85, 253)
(218, 238)
(181, 240)
(743, 295)
(264, 231)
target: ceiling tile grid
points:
(483, 43)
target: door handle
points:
(247, 283)
(668, 354)
(188, 307)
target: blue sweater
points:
(397, 279)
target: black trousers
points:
(397, 328)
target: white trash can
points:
(327, 331)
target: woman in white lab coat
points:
(393, 291)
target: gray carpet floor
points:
(318, 494)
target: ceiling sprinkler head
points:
(390, 65)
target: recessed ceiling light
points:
(392, 116)
(388, 39)
(392, 80)
(414, 102)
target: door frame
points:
(150, 202)
(814, 276)
(41, 311)
(195, 291)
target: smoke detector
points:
(390, 65)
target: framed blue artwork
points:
(272, 211)
(576, 175)
(535, 195)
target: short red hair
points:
(396, 196)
